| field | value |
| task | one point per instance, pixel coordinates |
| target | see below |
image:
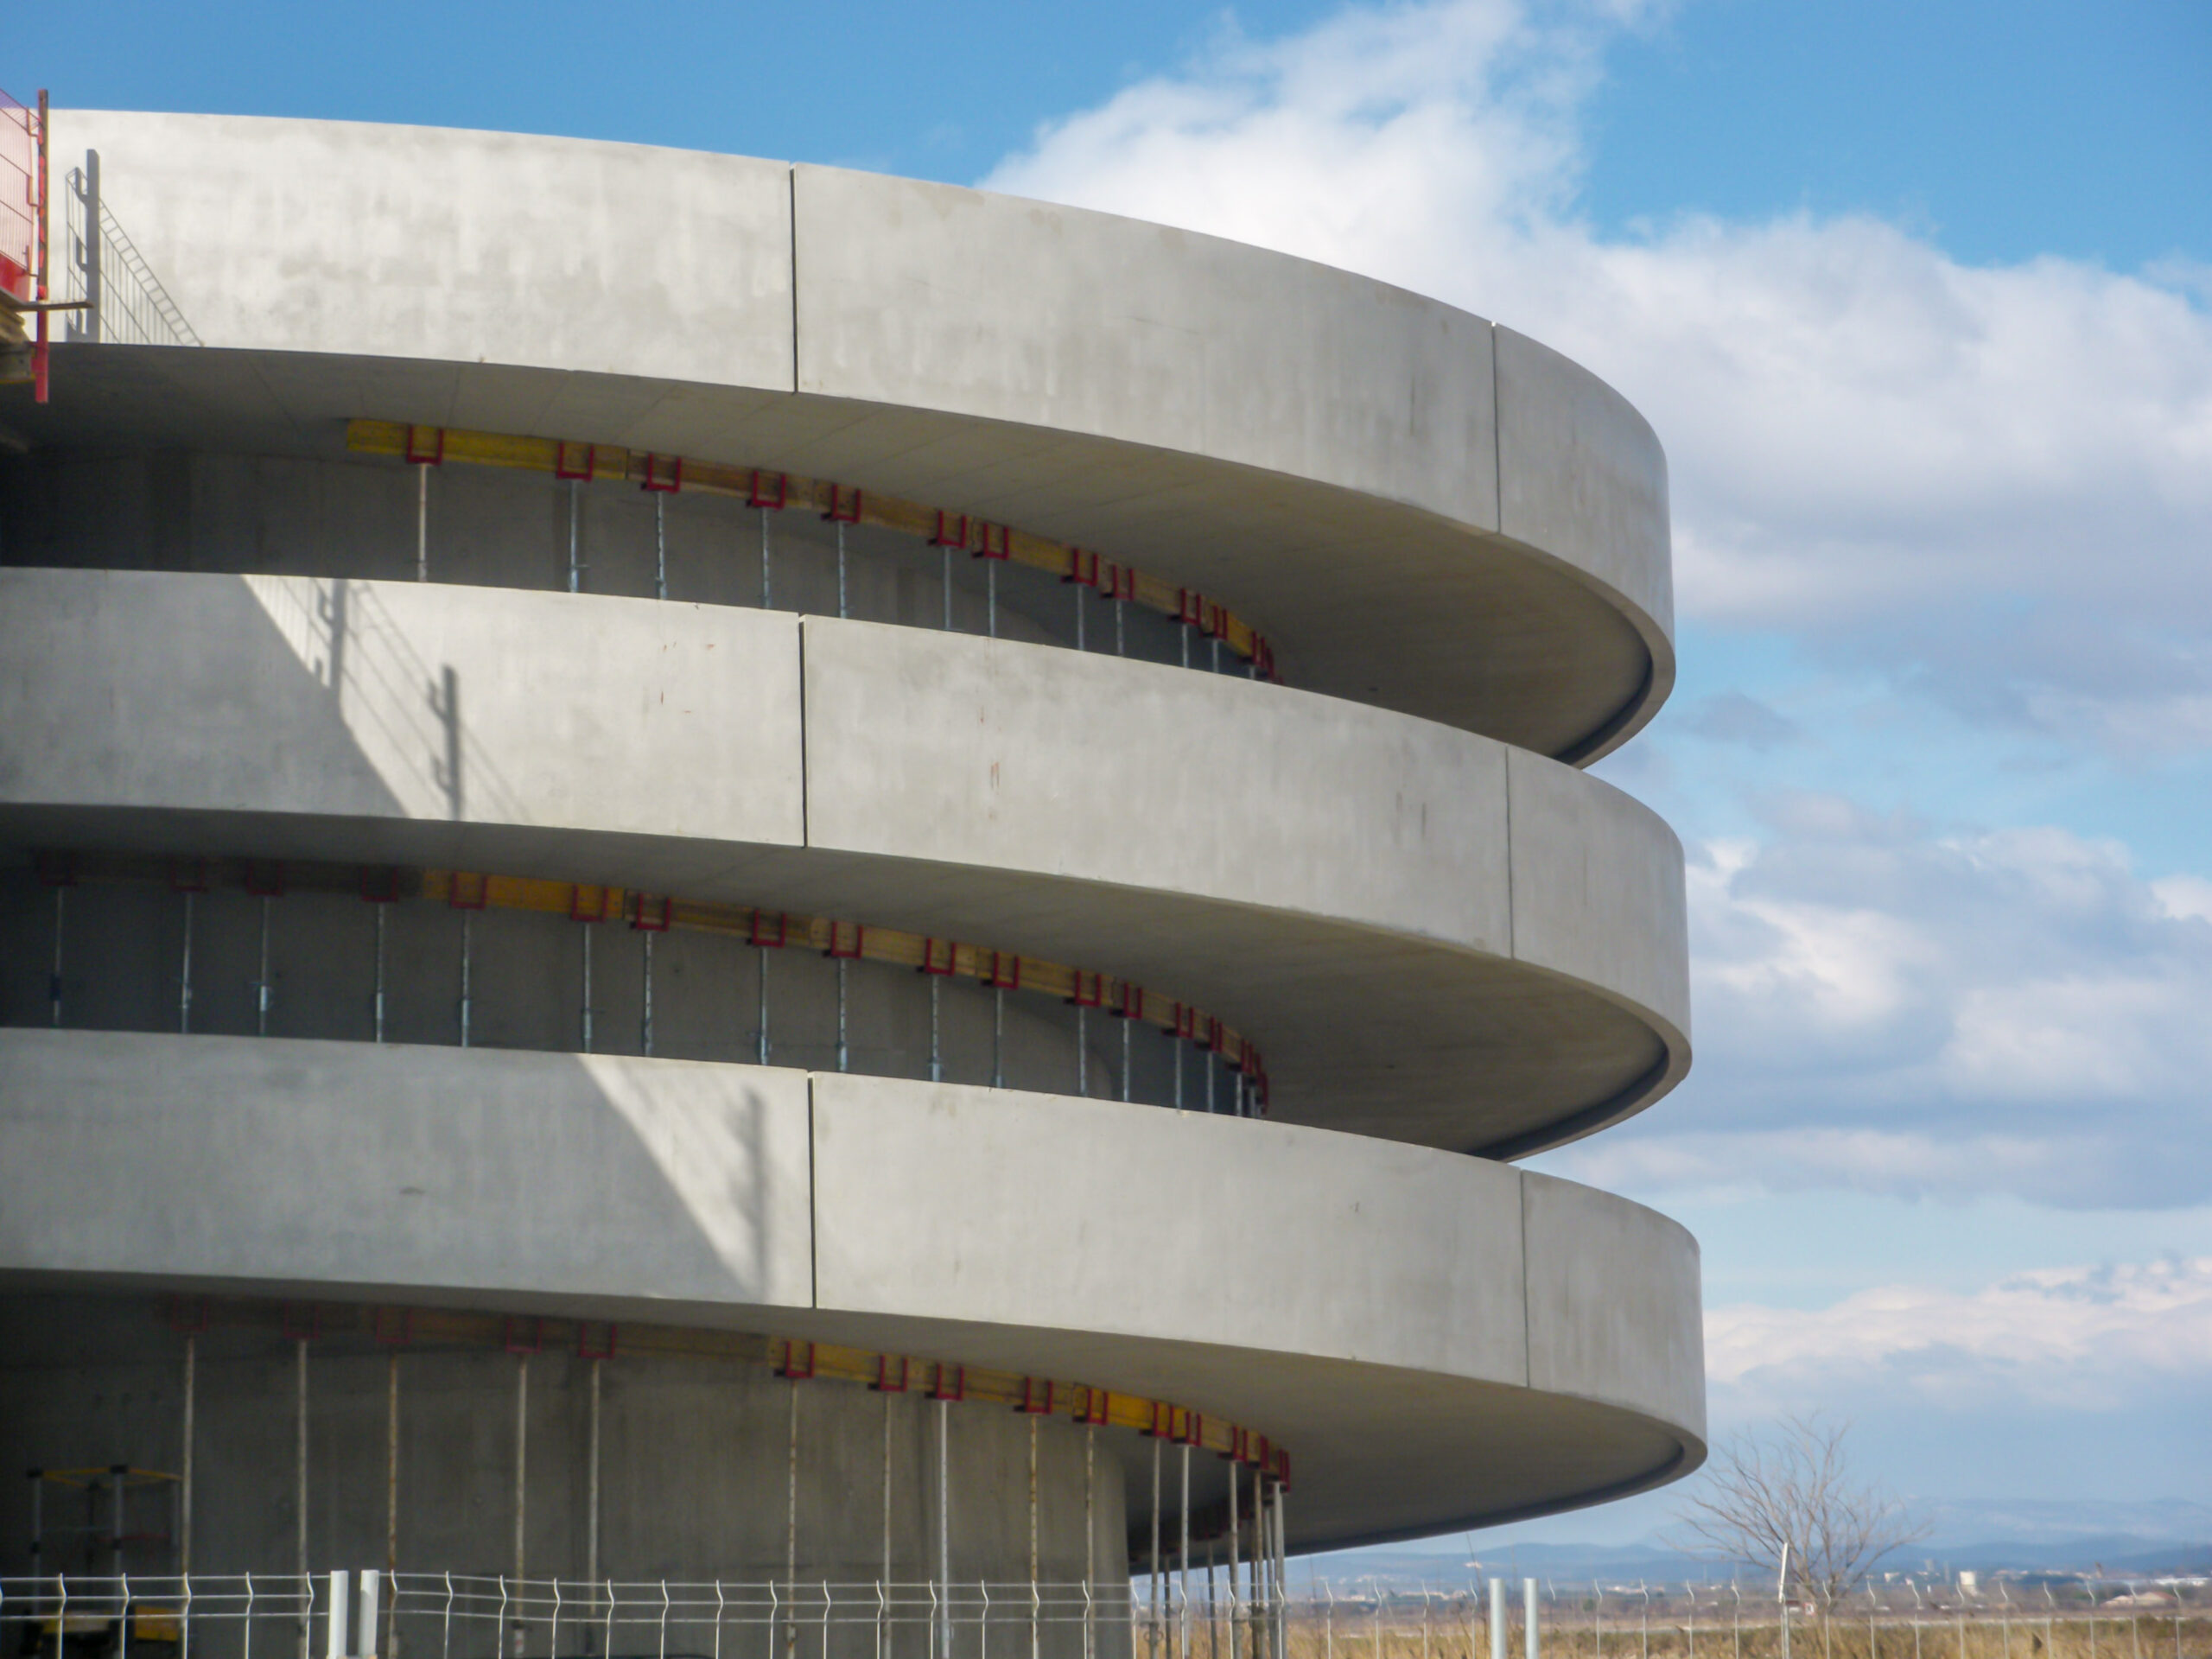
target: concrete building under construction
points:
(736, 875)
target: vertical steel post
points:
(184, 1472)
(586, 1006)
(645, 1023)
(391, 1498)
(53, 983)
(576, 564)
(791, 1518)
(1128, 1024)
(1082, 1052)
(767, 592)
(95, 251)
(1183, 1564)
(1036, 1627)
(1176, 1037)
(1077, 586)
(41, 349)
(466, 1006)
(422, 519)
(660, 545)
(991, 597)
(1089, 1540)
(184, 978)
(948, 590)
(844, 1049)
(1235, 1525)
(522, 1473)
(944, 1524)
(261, 987)
(937, 1051)
(880, 1634)
(998, 1037)
(591, 1483)
(841, 611)
(1159, 1581)
(300, 1423)
(763, 1048)
(383, 912)
(1531, 1640)
(1498, 1619)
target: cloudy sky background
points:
(1919, 300)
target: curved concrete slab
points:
(1426, 1331)
(1286, 434)
(1518, 926)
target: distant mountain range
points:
(1981, 1536)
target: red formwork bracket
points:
(950, 1383)
(941, 966)
(56, 869)
(1282, 1470)
(265, 878)
(380, 884)
(601, 908)
(461, 896)
(1082, 567)
(1212, 1042)
(1090, 990)
(427, 453)
(603, 1348)
(1129, 1003)
(951, 530)
(392, 1326)
(186, 1315)
(563, 468)
(1194, 1430)
(1214, 621)
(1240, 1447)
(1162, 1425)
(893, 1374)
(188, 875)
(759, 495)
(519, 1335)
(1036, 1397)
(1118, 581)
(997, 541)
(798, 1362)
(842, 510)
(1004, 973)
(837, 950)
(1096, 1404)
(756, 932)
(1183, 1020)
(662, 482)
(1190, 606)
(648, 916)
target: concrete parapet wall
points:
(1370, 1285)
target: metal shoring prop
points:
(53, 983)
(1498, 1619)
(948, 590)
(842, 611)
(991, 597)
(763, 1050)
(881, 1633)
(844, 1051)
(660, 543)
(586, 1010)
(1183, 1564)
(645, 1024)
(1214, 665)
(790, 1520)
(1036, 1629)
(466, 1009)
(1183, 628)
(1235, 1523)
(390, 1495)
(1176, 1037)
(1119, 646)
(998, 1037)
(1078, 614)
(1283, 1575)
(944, 1522)
(1530, 1637)
(301, 1428)
(1128, 1025)
(1158, 1580)
(522, 1471)
(767, 594)
(1205, 1064)
(1082, 1052)
(184, 979)
(591, 1483)
(575, 566)
(1089, 1540)
(1213, 1607)
(937, 1051)
(261, 987)
(184, 1476)
(421, 516)
(384, 912)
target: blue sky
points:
(1916, 295)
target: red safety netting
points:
(18, 199)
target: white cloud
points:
(1858, 425)
(1893, 1010)
(2078, 1338)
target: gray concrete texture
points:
(1150, 391)
(1439, 1339)
(1534, 982)
(696, 1458)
